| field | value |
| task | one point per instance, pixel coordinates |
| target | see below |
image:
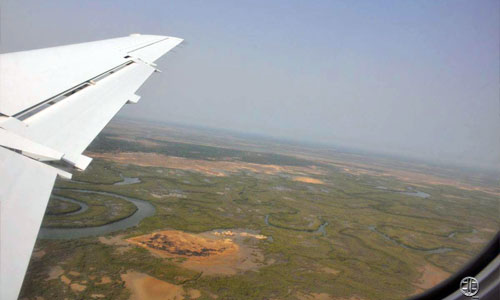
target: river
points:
(144, 210)
(429, 251)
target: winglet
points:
(133, 99)
(81, 161)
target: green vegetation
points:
(57, 206)
(112, 143)
(371, 233)
(93, 261)
(102, 209)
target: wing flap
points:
(25, 186)
(45, 73)
(68, 124)
(78, 119)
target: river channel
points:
(144, 210)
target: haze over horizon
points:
(417, 79)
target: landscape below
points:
(169, 212)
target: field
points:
(238, 217)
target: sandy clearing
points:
(78, 287)
(65, 279)
(231, 233)
(143, 286)
(214, 252)
(431, 276)
(104, 280)
(212, 168)
(74, 273)
(255, 236)
(308, 180)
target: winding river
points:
(83, 205)
(321, 228)
(144, 210)
(428, 251)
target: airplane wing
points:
(53, 103)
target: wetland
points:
(186, 214)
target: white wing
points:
(53, 103)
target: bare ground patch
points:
(411, 176)
(431, 276)
(78, 287)
(214, 252)
(65, 279)
(308, 180)
(143, 286)
(212, 168)
(104, 280)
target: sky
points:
(413, 78)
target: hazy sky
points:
(417, 78)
